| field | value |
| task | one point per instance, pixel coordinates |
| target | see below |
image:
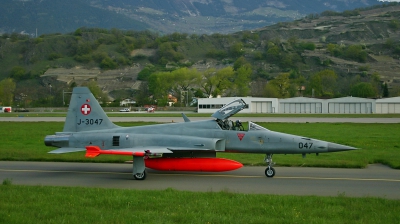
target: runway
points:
(375, 181)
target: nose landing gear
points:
(269, 171)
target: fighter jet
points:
(185, 146)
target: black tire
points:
(140, 176)
(270, 172)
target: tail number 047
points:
(305, 145)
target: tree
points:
(385, 90)
(7, 88)
(108, 63)
(282, 83)
(355, 52)
(271, 91)
(215, 82)
(142, 98)
(273, 52)
(241, 61)
(363, 89)
(17, 73)
(160, 84)
(184, 79)
(323, 83)
(242, 80)
(236, 50)
(207, 82)
(168, 52)
(223, 80)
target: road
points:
(376, 180)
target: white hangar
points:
(388, 105)
(255, 104)
(301, 105)
(305, 105)
(350, 105)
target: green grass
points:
(40, 204)
(378, 143)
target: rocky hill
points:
(163, 16)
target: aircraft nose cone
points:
(333, 147)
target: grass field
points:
(206, 115)
(41, 204)
(378, 143)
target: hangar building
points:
(305, 105)
(301, 105)
(388, 105)
(255, 105)
(350, 105)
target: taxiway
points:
(375, 181)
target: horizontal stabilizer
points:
(66, 150)
(185, 118)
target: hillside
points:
(161, 16)
(324, 55)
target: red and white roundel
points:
(86, 109)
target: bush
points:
(355, 52)
(83, 58)
(54, 56)
(108, 63)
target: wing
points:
(67, 150)
(151, 149)
(93, 151)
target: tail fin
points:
(85, 113)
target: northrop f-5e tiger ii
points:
(186, 146)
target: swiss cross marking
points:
(240, 136)
(86, 109)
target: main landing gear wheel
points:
(140, 176)
(270, 172)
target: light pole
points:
(64, 97)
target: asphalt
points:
(374, 181)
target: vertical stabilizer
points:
(85, 113)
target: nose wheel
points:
(270, 171)
(140, 176)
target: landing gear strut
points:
(269, 172)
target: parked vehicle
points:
(150, 109)
(125, 110)
(5, 109)
(21, 110)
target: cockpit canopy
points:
(256, 127)
(229, 109)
